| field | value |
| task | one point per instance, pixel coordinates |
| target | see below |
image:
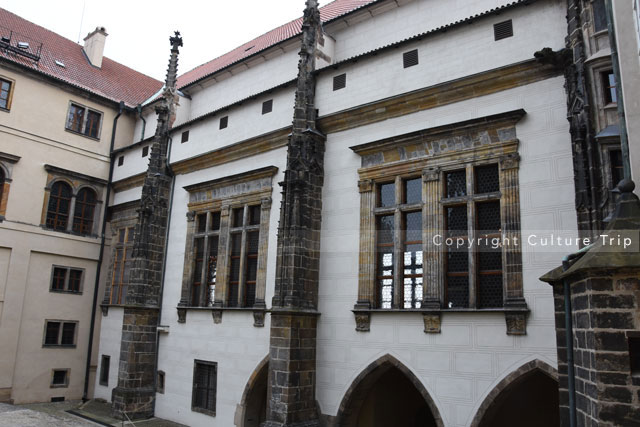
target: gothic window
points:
(83, 120)
(58, 209)
(226, 247)
(449, 238)
(121, 265)
(203, 397)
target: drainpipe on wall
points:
(622, 121)
(96, 286)
(144, 122)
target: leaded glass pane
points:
(457, 221)
(386, 226)
(413, 191)
(456, 183)
(488, 216)
(237, 215)
(413, 224)
(487, 179)
(201, 221)
(215, 221)
(457, 291)
(489, 291)
(387, 194)
(254, 215)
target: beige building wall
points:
(34, 129)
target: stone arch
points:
(250, 407)
(357, 393)
(508, 383)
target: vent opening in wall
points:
(503, 30)
(104, 370)
(57, 399)
(160, 382)
(185, 137)
(224, 122)
(340, 82)
(267, 106)
(120, 160)
(409, 59)
(145, 151)
(634, 354)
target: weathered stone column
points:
(367, 256)
(433, 275)
(292, 358)
(135, 394)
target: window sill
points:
(6, 110)
(216, 312)
(204, 411)
(515, 317)
(59, 291)
(59, 386)
(82, 134)
(71, 233)
(58, 346)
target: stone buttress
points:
(134, 397)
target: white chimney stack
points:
(94, 46)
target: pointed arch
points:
(357, 393)
(508, 383)
(248, 411)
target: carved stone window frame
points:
(223, 195)
(6, 165)
(431, 153)
(77, 181)
(121, 217)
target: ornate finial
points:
(176, 40)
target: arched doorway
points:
(527, 397)
(387, 394)
(254, 399)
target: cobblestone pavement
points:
(40, 415)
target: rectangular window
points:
(60, 333)
(503, 30)
(104, 370)
(267, 106)
(609, 87)
(617, 169)
(185, 137)
(66, 279)
(206, 242)
(203, 398)
(224, 122)
(160, 382)
(409, 59)
(59, 378)
(84, 120)
(120, 161)
(5, 94)
(634, 353)
(145, 151)
(121, 265)
(599, 15)
(340, 81)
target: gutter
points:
(96, 286)
(144, 122)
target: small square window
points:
(66, 279)
(409, 59)
(104, 370)
(340, 81)
(59, 334)
(267, 106)
(185, 137)
(503, 30)
(84, 120)
(224, 122)
(120, 160)
(145, 151)
(60, 378)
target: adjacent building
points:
(63, 108)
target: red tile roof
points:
(113, 81)
(329, 12)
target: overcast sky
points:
(139, 30)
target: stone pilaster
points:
(134, 397)
(292, 357)
(433, 258)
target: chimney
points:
(94, 46)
